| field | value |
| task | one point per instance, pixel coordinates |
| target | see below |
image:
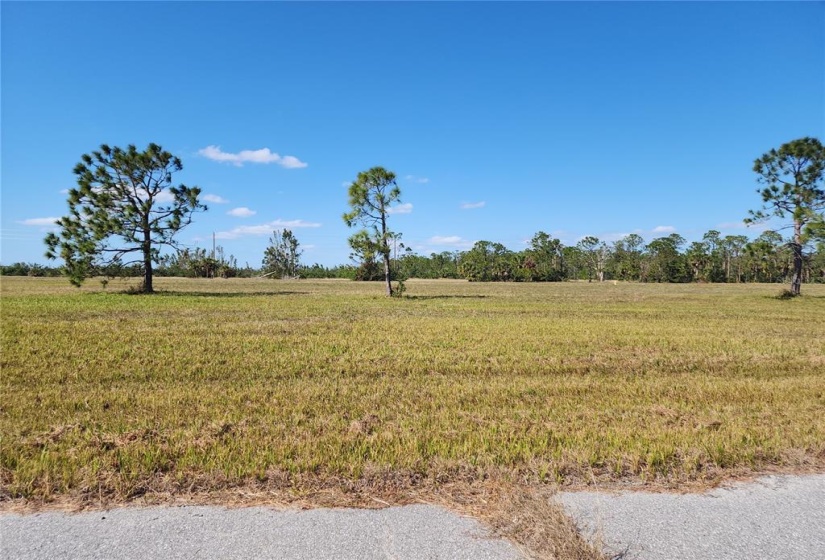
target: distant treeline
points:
(209, 268)
(30, 269)
(733, 258)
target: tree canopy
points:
(371, 196)
(792, 186)
(124, 209)
(282, 257)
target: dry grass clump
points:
(320, 388)
(529, 516)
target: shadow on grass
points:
(444, 297)
(788, 296)
(171, 293)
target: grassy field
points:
(483, 397)
(302, 386)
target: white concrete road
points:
(772, 518)
(775, 517)
(412, 532)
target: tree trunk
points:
(147, 262)
(385, 250)
(147, 277)
(387, 273)
(796, 247)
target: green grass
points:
(216, 383)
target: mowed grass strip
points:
(219, 383)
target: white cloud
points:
(164, 196)
(242, 212)
(39, 222)
(251, 156)
(728, 226)
(64, 191)
(737, 225)
(663, 229)
(264, 229)
(453, 240)
(405, 208)
(415, 179)
(214, 199)
(291, 162)
(472, 205)
(609, 237)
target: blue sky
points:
(499, 119)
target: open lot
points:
(326, 392)
(223, 382)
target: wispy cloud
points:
(39, 221)
(611, 236)
(264, 155)
(732, 225)
(404, 208)
(214, 199)
(445, 240)
(472, 205)
(663, 229)
(164, 196)
(449, 241)
(264, 229)
(728, 226)
(242, 212)
(415, 179)
(64, 191)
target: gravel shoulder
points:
(769, 518)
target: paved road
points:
(410, 532)
(775, 517)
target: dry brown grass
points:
(326, 393)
